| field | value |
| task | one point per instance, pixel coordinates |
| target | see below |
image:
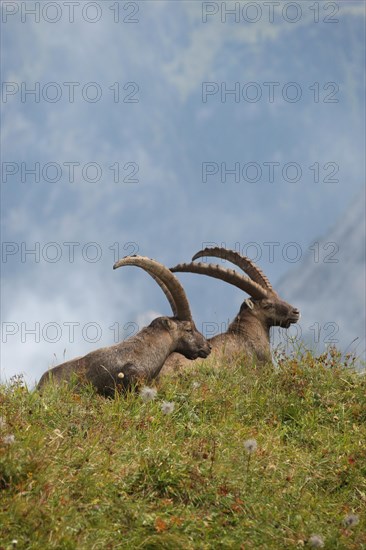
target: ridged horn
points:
(228, 275)
(245, 263)
(161, 273)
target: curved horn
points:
(159, 271)
(228, 275)
(245, 263)
(166, 291)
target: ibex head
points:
(264, 303)
(188, 341)
(271, 311)
(191, 343)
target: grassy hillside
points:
(81, 472)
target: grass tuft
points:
(235, 457)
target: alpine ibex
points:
(141, 357)
(249, 331)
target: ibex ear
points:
(249, 303)
(167, 323)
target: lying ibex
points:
(249, 331)
(141, 357)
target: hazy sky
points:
(154, 128)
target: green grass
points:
(90, 473)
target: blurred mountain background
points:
(330, 292)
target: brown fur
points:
(247, 334)
(137, 359)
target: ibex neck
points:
(250, 333)
(247, 324)
(159, 343)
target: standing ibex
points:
(141, 357)
(249, 331)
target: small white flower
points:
(195, 385)
(8, 439)
(315, 541)
(148, 394)
(167, 407)
(2, 422)
(351, 520)
(250, 445)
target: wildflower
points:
(8, 439)
(167, 407)
(351, 520)
(2, 422)
(148, 394)
(250, 445)
(315, 541)
(195, 385)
